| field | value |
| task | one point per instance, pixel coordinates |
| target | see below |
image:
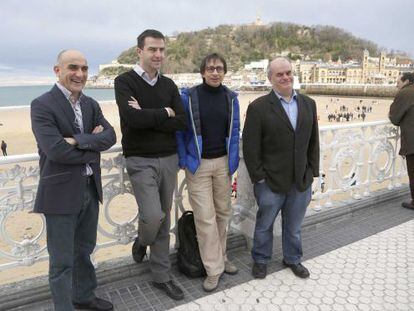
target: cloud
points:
(32, 34)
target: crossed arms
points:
(79, 149)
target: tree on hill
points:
(245, 43)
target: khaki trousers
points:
(209, 196)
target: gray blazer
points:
(274, 151)
(61, 184)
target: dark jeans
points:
(293, 205)
(71, 240)
(410, 170)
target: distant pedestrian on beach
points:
(402, 114)
(281, 152)
(70, 132)
(4, 148)
(151, 112)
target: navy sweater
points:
(214, 116)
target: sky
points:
(33, 32)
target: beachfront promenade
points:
(357, 201)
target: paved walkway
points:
(361, 261)
(376, 273)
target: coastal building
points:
(115, 64)
(372, 70)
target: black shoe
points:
(96, 304)
(408, 205)
(259, 270)
(170, 289)
(298, 269)
(138, 251)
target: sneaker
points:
(211, 282)
(408, 205)
(259, 270)
(298, 269)
(230, 268)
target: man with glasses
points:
(151, 112)
(70, 132)
(209, 153)
(281, 152)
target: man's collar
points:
(66, 92)
(140, 71)
(294, 95)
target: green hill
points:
(245, 43)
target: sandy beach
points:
(16, 131)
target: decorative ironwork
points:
(353, 158)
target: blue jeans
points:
(71, 240)
(293, 205)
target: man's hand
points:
(171, 112)
(71, 141)
(97, 129)
(134, 103)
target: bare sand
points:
(16, 131)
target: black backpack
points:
(188, 255)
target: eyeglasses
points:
(219, 69)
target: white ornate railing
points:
(21, 244)
(355, 160)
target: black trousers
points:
(410, 170)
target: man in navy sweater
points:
(209, 153)
(151, 112)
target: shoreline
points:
(259, 93)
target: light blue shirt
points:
(291, 107)
(141, 72)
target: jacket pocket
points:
(56, 178)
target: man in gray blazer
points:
(70, 132)
(281, 152)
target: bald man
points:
(70, 132)
(281, 152)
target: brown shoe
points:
(230, 268)
(408, 205)
(211, 282)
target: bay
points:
(20, 96)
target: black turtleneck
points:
(214, 116)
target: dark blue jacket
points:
(190, 142)
(61, 184)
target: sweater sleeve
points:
(178, 122)
(136, 118)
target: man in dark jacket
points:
(402, 115)
(281, 152)
(70, 132)
(151, 112)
